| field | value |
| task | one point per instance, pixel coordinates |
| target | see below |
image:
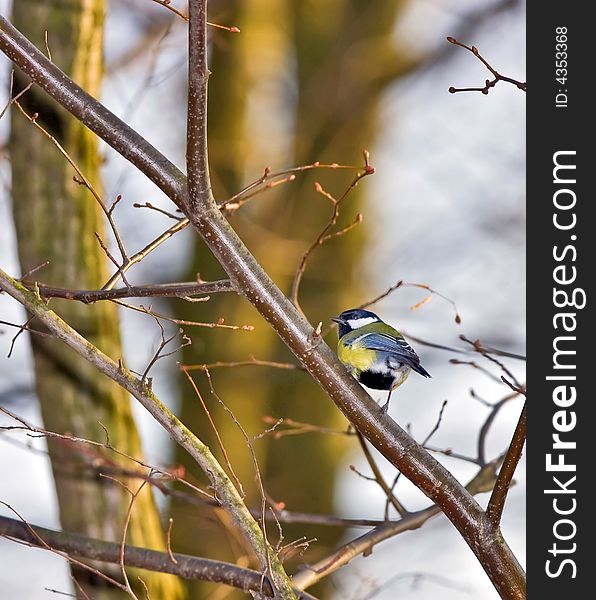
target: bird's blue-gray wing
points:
(396, 347)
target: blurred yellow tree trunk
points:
(56, 220)
(301, 83)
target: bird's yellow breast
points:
(356, 357)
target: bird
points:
(374, 353)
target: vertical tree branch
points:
(201, 206)
(496, 503)
(197, 161)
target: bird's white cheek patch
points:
(357, 323)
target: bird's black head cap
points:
(354, 318)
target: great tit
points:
(375, 353)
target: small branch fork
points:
(168, 4)
(81, 180)
(488, 84)
(326, 233)
(269, 180)
(365, 543)
(481, 349)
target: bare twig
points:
(474, 365)
(12, 99)
(34, 269)
(488, 84)
(159, 210)
(219, 324)
(437, 424)
(325, 234)
(186, 341)
(478, 347)
(450, 452)
(516, 388)
(271, 179)
(251, 362)
(23, 327)
(489, 350)
(112, 259)
(168, 4)
(169, 541)
(431, 292)
(365, 543)
(141, 254)
(80, 589)
(424, 443)
(81, 179)
(133, 496)
(384, 294)
(215, 430)
(483, 433)
(378, 477)
(161, 290)
(294, 427)
(344, 230)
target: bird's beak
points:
(337, 320)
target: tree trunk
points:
(56, 219)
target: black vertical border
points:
(551, 128)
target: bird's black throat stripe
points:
(376, 381)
